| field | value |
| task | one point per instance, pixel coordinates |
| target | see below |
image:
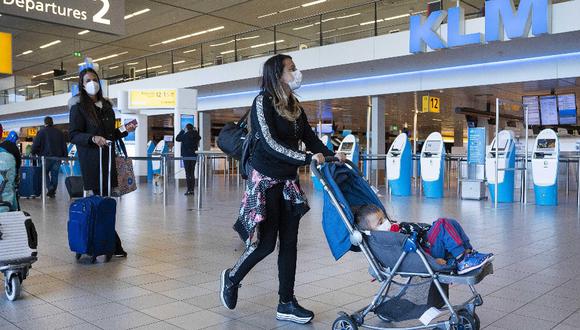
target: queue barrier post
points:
(43, 164)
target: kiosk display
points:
(399, 166)
(549, 110)
(328, 144)
(350, 147)
(504, 155)
(545, 157)
(567, 109)
(533, 109)
(432, 166)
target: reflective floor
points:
(171, 278)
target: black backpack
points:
(232, 136)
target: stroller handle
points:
(331, 159)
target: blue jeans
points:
(52, 170)
(447, 237)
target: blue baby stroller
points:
(412, 284)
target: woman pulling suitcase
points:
(92, 124)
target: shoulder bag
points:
(232, 135)
(125, 174)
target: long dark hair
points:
(84, 98)
(286, 105)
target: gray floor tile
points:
(171, 310)
(198, 320)
(125, 321)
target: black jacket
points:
(189, 142)
(82, 130)
(276, 153)
(49, 142)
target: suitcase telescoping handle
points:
(109, 146)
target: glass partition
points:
(349, 24)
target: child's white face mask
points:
(385, 226)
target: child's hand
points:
(441, 262)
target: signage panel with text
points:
(153, 99)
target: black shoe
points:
(292, 311)
(228, 290)
(50, 194)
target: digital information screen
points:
(533, 109)
(567, 109)
(503, 143)
(432, 147)
(548, 144)
(549, 110)
(346, 147)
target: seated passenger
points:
(445, 240)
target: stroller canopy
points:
(350, 190)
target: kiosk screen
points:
(503, 143)
(432, 147)
(567, 109)
(533, 109)
(346, 147)
(549, 110)
(548, 144)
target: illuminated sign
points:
(153, 99)
(31, 132)
(96, 15)
(501, 20)
(5, 53)
(431, 104)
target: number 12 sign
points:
(431, 104)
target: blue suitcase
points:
(91, 227)
(30, 181)
(91, 224)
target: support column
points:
(204, 126)
(377, 125)
(140, 145)
(186, 104)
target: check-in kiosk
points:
(432, 166)
(545, 167)
(350, 147)
(74, 166)
(150, 148)
(502, 152)
(328, 144)
(399, 166)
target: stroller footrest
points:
(471, 278)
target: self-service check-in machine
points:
(545, 167)
(328, 144)
(432, 166)
(502, 152)
(350, 147)
(74, 166)
(160, 149)
(399, 166)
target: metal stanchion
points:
(567, 178)
(43, 163)
(200, 161)
(164, 169)
(387, 190)
(496, 192)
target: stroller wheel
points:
(12, 288)
(344, 323)
(467, 321)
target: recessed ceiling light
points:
(288, 9)
(43, 74)
(179, 62)
(151, 68)
(190, 51)
(308, 4)
(133, 63)
(25, 53)
(69, 78)
(83, 32)
(137, 13)
(188, 36)
(266, 44)
(105, 58)
(50, 44)
(113, 67)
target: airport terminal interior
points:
(443, 110)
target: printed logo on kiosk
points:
(501, 20)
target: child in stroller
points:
(413, 286)
(445, 240)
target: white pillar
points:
(204, 126)
(377, 125)
(186, 104)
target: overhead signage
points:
(567, 109)
(31, 132)
(5, 53)
(476, 146)
(431, 104)
(549, 110)
(97, 15)
(532, 102)
(501, 20)
(153, 99)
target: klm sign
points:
(502, 20)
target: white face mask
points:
(296, 81)
(385, 226)
(92, 88)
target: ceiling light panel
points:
(137, 13)
(56, 42)
(105, 58)
(195, 34)
(83, 32)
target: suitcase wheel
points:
(108, 257)
(78, 256)
(12, 288)
(93, 259)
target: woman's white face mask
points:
(92, 88)
(296, 81)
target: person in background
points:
(9, 192)
(189, 139)
(9, 144)
(92, 125)
(50, 142)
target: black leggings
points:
(280, 223)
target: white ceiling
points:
(172, 18)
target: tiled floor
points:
(170, 279)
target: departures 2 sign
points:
(96, 15)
